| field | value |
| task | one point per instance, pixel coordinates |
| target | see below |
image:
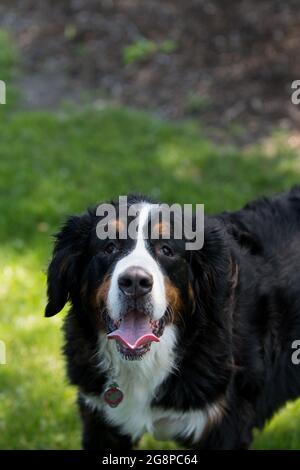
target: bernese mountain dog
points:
(194, 346)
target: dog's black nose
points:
(135, 282)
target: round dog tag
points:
(113, 395)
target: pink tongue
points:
(135, 331)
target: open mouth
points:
(135, 333)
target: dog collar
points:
(113, 395)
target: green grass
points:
(53, 164)
(143, 49)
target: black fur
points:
(236, 338)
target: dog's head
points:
(132, 287)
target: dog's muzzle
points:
(135, 330)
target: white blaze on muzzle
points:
(138, 257)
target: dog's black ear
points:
(211, 269)
(63, 270)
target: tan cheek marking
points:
(173, 299)
(192, 297)
(191, 292)
(102, 292)
(98, 301)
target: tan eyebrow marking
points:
(174, 299)
(162, 228)
(117, 224)
(102, 291)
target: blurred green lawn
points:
(54, 164)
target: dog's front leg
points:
(97, 434)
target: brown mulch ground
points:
(232, 66)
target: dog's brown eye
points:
(166, 251)
(110, 248)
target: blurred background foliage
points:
(59, 161)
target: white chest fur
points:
(139, 382)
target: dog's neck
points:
(153, 366)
